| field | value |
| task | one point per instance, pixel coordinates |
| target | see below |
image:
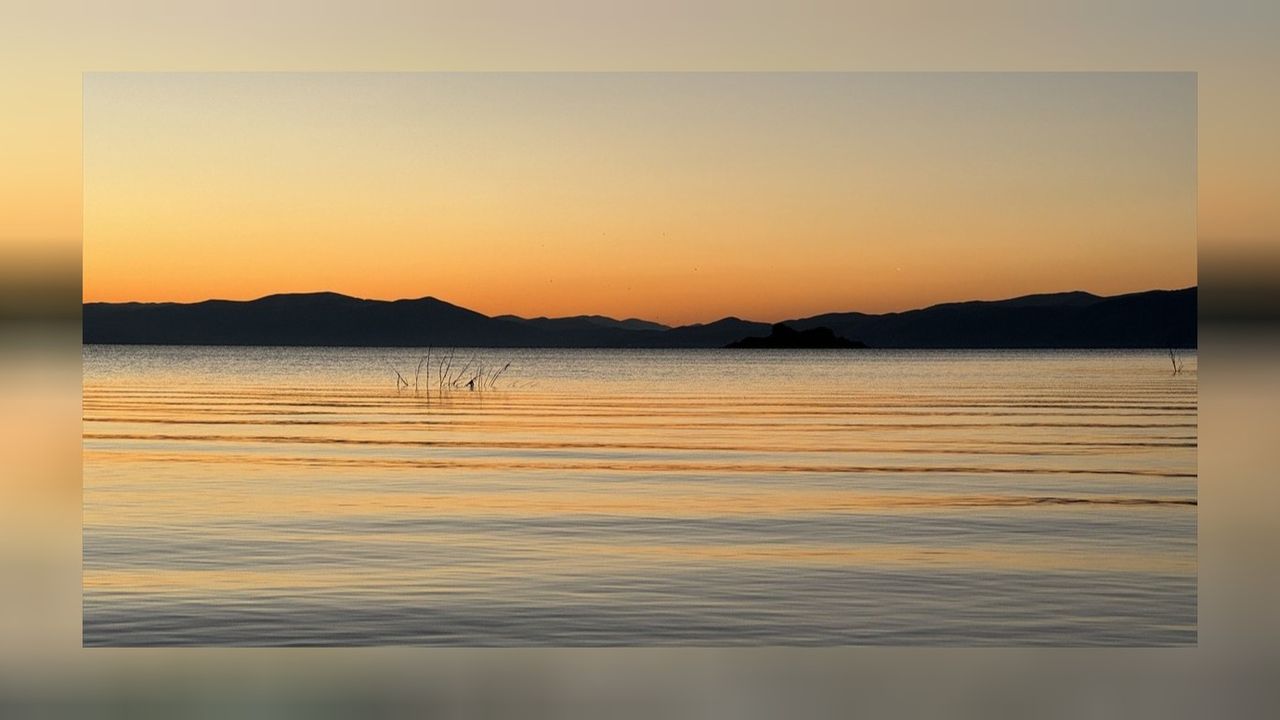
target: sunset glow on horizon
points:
(673, 197)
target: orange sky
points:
(675, 197)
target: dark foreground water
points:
(298, 496)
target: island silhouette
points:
(1149, 319)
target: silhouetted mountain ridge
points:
(783, 336)
(1156, 318)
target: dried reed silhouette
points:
(449, 376)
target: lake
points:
(304, 496)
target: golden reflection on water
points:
(278, 473)
(641, 502)
(455, 579)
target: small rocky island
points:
(785, 336)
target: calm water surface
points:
(296, 496)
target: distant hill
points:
(1152, 319)
(590, 330)
(302, 319)
(784, 336)
(588, 322)
(710, 335)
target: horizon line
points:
(632, 317)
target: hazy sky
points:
(46, 46)
(680, 197)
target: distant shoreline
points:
(1155, 319)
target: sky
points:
(45, 47)
(680, 197)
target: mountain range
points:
(1150, 319)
